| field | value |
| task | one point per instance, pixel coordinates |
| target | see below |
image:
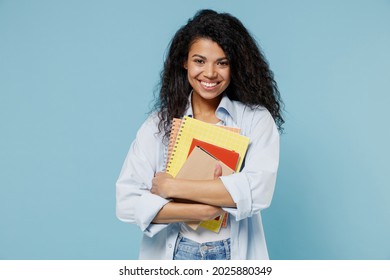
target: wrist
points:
(177, 190)
(170, 187)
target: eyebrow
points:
(205, 58)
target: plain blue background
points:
(77, 79)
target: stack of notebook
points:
(194, 149)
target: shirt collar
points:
(225, 109)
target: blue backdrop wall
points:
(77, 80)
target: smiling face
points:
(208, 69)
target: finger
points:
(217, 171)
(157, 174)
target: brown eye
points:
(223, 63)
(199, 61)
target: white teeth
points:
(208, 84)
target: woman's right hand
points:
(209, 212)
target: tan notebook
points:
(200, 165)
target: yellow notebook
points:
(191, 128)
(176, 123)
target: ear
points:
(185, 65)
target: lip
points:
(209, 85)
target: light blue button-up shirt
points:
(251, 189)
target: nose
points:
(210, 72)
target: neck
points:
(204, 110)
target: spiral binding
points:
(174, 138)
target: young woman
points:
(214, 72)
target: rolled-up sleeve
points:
(135, 203)
(252, 189)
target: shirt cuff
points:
(146, 209)
(236, 184)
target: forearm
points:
(212, 192)
(174, 212)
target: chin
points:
(209, 96)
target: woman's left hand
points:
(160, 184)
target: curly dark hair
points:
(252, 81)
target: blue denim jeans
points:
(186, 249)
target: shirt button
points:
(169, 245)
